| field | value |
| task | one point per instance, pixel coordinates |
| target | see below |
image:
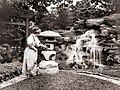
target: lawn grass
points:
(63, 81)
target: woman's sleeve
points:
(30, 40)
(40, 44)
(37, 42)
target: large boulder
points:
(48, 67)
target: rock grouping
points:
(48, 67)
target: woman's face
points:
(37, 33)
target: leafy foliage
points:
(87, 9)
(5, 10)
(9, 70)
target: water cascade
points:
(95, 50)
(87, 45)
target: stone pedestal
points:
(47, 54)
(48, 67)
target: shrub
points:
(5, 53)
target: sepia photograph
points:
(59, 44)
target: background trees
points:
(88, 9)
(58, 18)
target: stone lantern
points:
(49, 39)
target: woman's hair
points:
(36, 30)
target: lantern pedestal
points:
(47, 54)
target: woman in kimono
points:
(31, 53)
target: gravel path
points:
(113, 80)
(12, 81)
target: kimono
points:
(30, 55)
